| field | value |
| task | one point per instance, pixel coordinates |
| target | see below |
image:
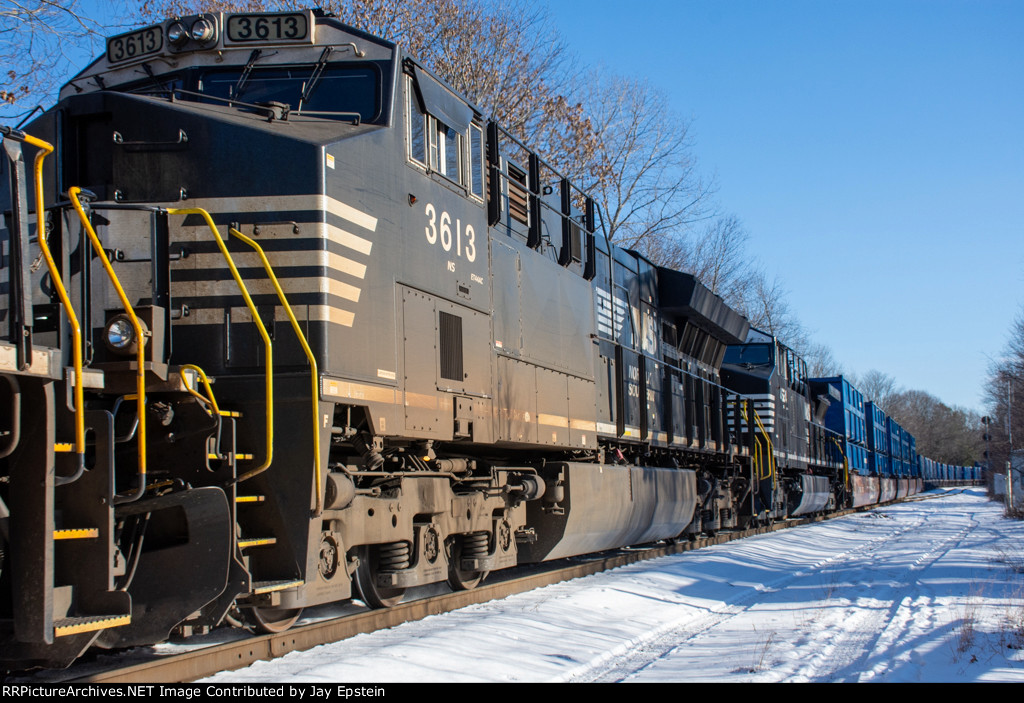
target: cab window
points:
(439, 148)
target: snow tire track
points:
(847, 654)
(905, 610)
(625, 660)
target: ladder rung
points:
(74, 626)
(261, 587)
(256, 542)
(63, 447)
(249, 499)
(79, 533)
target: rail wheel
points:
(365, 576)
(473, 544)
(272, 620)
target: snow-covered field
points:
(924, 591)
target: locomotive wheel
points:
(365, 578)
(458, 579)
(272, 620)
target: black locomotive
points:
(290, 322)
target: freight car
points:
(290, 322)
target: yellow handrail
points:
(140, 336)
(771, 448)
(755, 455)
(314, 374)
(846, 463)
(269, 382)
(76, 329)
(209, 401)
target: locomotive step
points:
(90, 623)
(261, 587)
(250, 499)
(79, 533)
(256, 542)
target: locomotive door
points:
(446, 354)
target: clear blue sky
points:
(874, 151)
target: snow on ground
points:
(923, 591)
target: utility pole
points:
(1010, 378)
(987, 436)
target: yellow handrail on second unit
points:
(771, 448)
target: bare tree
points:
(644, 174)
(947, 434)
(36, 38)
(764, 303)
(943, 433)
(715, 254)
(1004, 397)
(821, 362)
(156, 10)
(718, 256)
(878, 387)
(769, 308)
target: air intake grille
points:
(451, 346)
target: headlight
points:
(119, 335)
(177, 34)
(202, 30)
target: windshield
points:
(749, 355)
(338, 89)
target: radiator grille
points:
(451, 346)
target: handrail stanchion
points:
(140, 344)
(76, 329)
(314, 374)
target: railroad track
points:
(203, 661)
